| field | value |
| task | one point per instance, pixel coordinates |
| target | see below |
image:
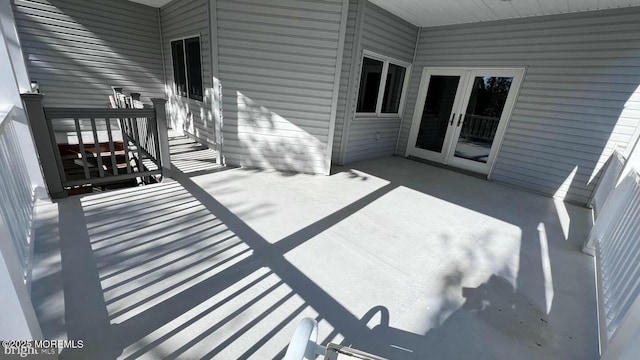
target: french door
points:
(461, 115)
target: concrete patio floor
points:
(398, 258)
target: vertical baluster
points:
(125, 142)
(83, 152)
(156, 144)
(136, 136)
(96, 146)
(112, 149)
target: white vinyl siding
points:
(78, 49)
(577, 99)
(186, 19)
(390, 36)
(277, 66)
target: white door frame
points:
(461, 102)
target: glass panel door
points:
(433, 125)
(486, 107)
(482, 117)
(436, 112)
(461, 115)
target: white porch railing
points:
(17, 196)
(615, 241)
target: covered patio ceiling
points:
(447, 12)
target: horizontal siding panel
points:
(248, 27)
(571, 134)
(261, 106)
(286, 130)
(58, 61)
(530, 144)
(324, 72)
(578, 80)
(296, 10)
(276, 56)
(77, 50)
(546, 158)
(91, 51)
(277, 138)
(321, 119)
(277, 63)
(554, 119)
(279, 39)
(263, 88)
(265, 79)
(108, 36)
(548, 184)
(328, 6)
(269, 48)
(61, 12)
(294, 23)
(115, 7)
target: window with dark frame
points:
(187, 67)
(370, 98)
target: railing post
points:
(163, 135)
(45, 144)
(135, 101)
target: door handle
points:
(459, 119)
(453, 117)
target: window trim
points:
(386, 60)
(186, 73)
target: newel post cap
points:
(159, 101)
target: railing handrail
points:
(69, 112)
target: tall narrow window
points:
(179, 75)
(393, 89)
(382, 83)
(369, 85)
(187, 67)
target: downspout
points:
(413, 71)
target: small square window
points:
(187, 68)
(377, 73)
